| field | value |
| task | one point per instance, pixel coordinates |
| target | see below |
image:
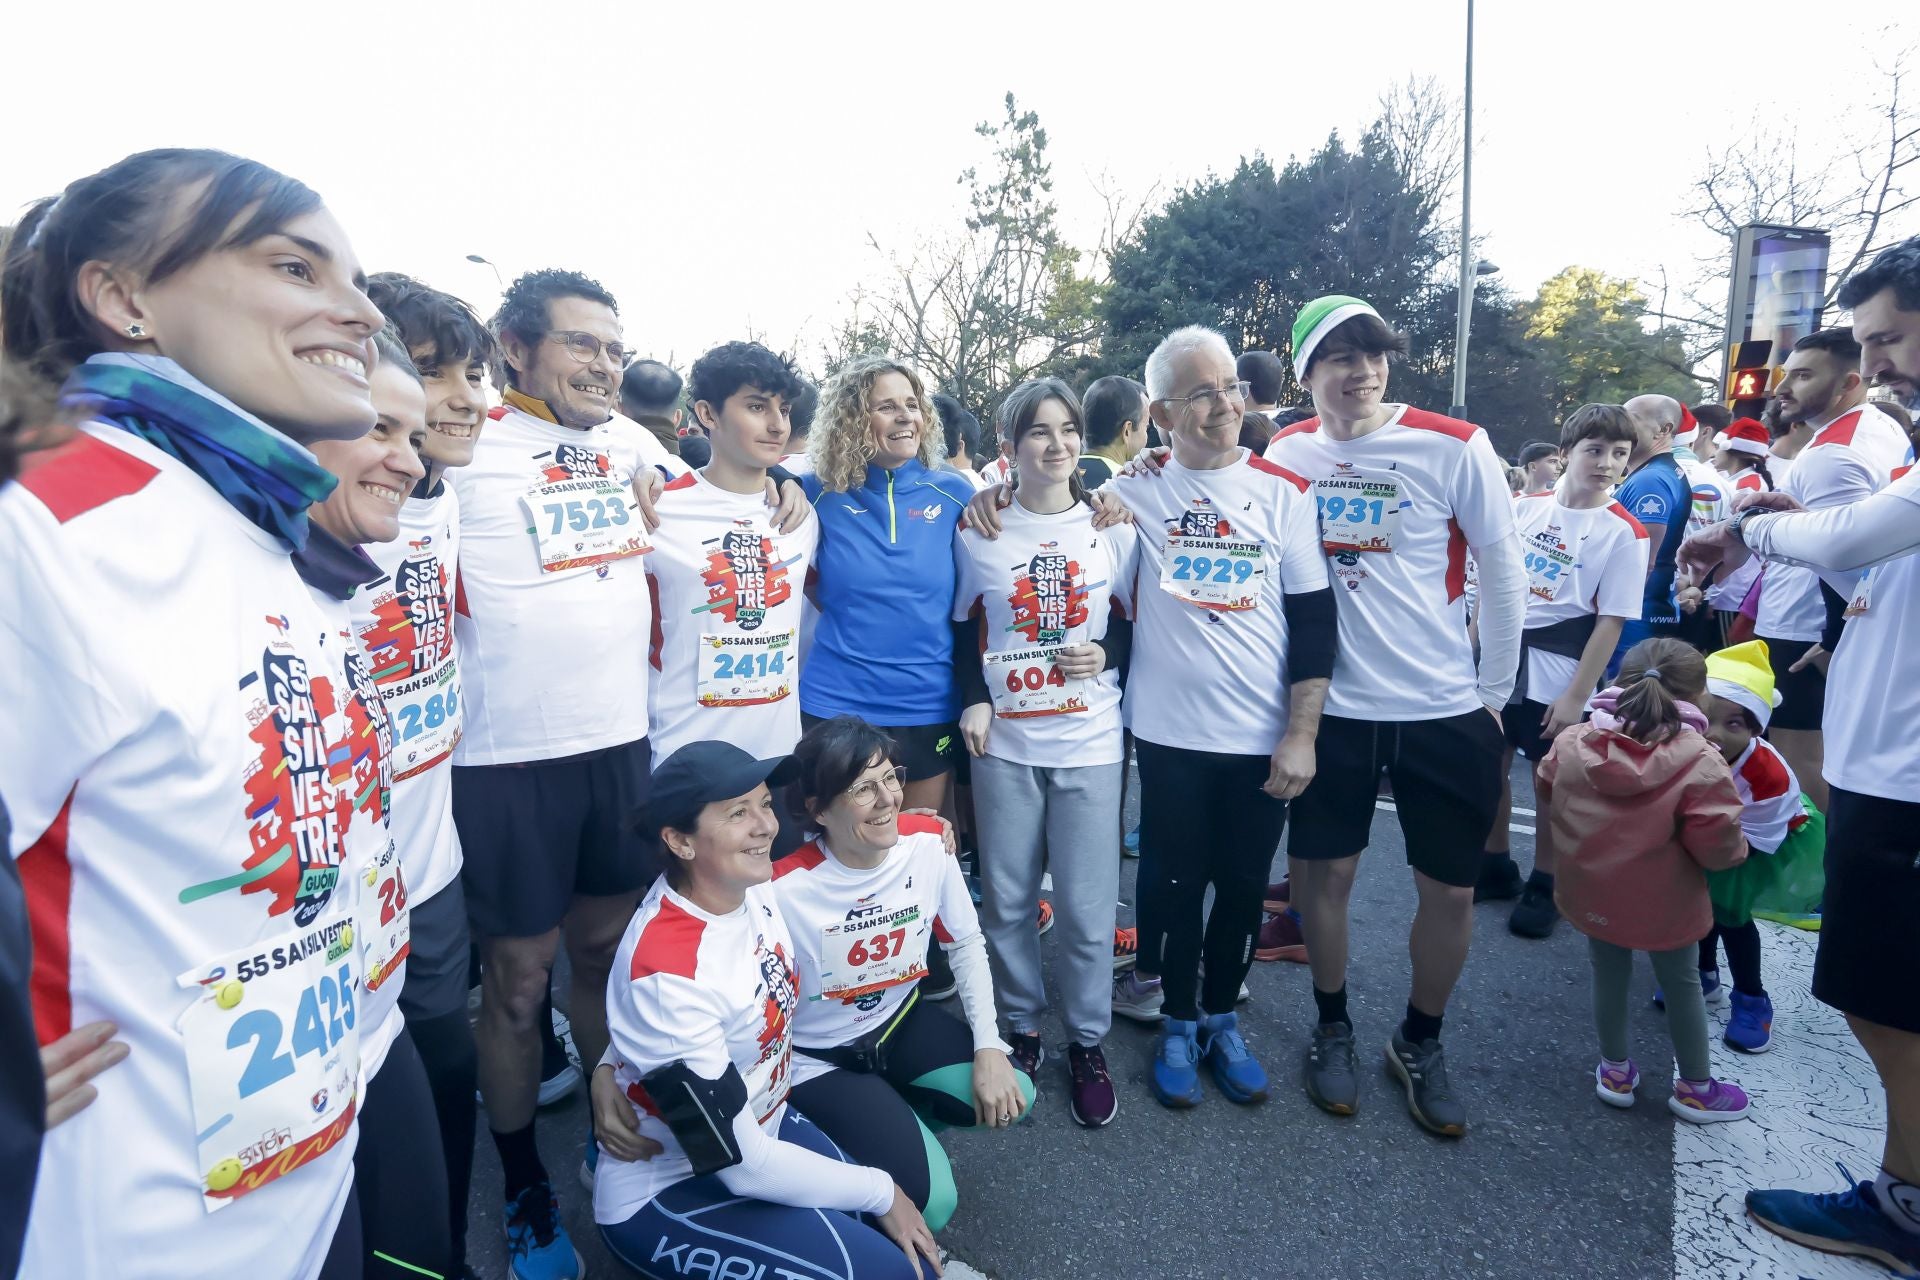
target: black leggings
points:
(1203, 822)
(345, 1255)
(399, 1174)
(881, 1120)
(1742, 942)
(446, 1051)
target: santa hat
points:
(1688, 423)
(1746, 435)
(1744, 675)
(1318, 319)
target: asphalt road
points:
(1547, 1181)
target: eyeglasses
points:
(586, 348)
(867, 791)
(1203, 400)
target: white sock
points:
(1899, 1200)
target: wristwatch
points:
(1739, 523)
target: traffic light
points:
(1748, 384)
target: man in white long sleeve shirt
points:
(1404, 496)
(1869, 948)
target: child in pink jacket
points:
(1642, 807)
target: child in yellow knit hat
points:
(1786, 836)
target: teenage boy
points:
(1404, 496)
(1586, 565)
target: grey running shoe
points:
(1332, 1082)
(1422, 1070)
(1138, 1000)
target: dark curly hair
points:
(437, 328)
(732, 365)
(526, 311)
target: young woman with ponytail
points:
(1642, 806)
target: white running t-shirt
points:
(1047, 582)
(1219, 551)
(728, 595)
(1399, 509)
(1873, 703)
(1578, 561)
(552, 616)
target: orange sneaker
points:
(1280, 938)
(1126, 948)
(1046, 917)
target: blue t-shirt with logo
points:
(883, 647)
(1658, 493)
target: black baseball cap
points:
(700, 773)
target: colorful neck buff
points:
(262, 474)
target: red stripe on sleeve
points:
(1639, 530)
(805, 858)
(669, 944)
(1456, 560)
(82, 474)
(47, 874)
(1259, 463)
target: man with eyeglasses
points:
(1404, 496)
(553, 618)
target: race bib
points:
(1862, 598)
(385, 933)
(273, 1057)
(859, 957)
(1549, 565)
(745, 670)
(1026, 682)
(1357, 514)
(425, 711)
(1213, 573)
(579, 523)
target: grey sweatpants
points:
(1679, 975)
(1033, 819)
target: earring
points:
(136, 330)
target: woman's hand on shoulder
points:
(983, 511)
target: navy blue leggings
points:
(698, 1227)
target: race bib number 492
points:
(579, 523)
(273, 1056)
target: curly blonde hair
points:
(841, 445)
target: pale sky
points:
(719, 165)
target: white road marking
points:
(1514, 826)
(1815, 1100)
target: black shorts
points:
(1869, 945)
(923, 750)
(436, 982)
(1803, 693)
(1522, 722)
(1446, 786)
(536, 834)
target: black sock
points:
(1743, 957)
(1420, 1027)
(1541, 880)
(1332, 1006)
(519, 1160)
(1710, 950)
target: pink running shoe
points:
(1615, 1084)
(1708, 1103)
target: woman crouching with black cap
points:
(701, 1149)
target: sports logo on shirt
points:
(369, 739)
(571, 462)
(1202, 523)
(743, 579)
(780, 988)
(929, 514)
(412, 627)
(1049, 596)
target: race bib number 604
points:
(1028, 682)
(273, 1056)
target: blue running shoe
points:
(1750, 1029)
(1712, 991)
(538, 1247)
(590, 1161)
(1130, 845)
(1234, 1068)
(1176, 1073)
(1848, 1222)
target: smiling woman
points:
(195, 765)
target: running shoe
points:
(1500, 879)
(1126, 947)
(1750, 1029)
(1280, 937)
(1175, 1074)
(1090, 1094)
(1615, 1084)
(1849, 1222)
(1714, 1102)
(1712, 990)
(1421, 1070)
(1138, 1000)
(1028, 1053)
(1236, 1072)
(1130, 845)
(1279, 895)
(1045, 921)
(538, 1247)
(1332, 1081)
(938, 984)
(1534, 915)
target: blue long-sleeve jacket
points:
(883, 649)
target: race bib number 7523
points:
(579, 523)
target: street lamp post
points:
(474, 257)
(1464, 320)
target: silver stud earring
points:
(136, 330)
